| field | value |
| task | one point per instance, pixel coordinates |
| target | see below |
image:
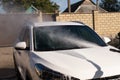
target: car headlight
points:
(48, 74)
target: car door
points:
(22, 56)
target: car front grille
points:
(117, 77)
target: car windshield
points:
(64, 37)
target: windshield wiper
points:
(114, 50)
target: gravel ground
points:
(7, 71)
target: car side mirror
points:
(20, 45)
(106, 39)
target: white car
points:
(64, 51)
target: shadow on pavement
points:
(7, 73)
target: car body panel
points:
(85, 63)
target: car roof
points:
(41, 24)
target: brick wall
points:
(106, 24)
(85, 18)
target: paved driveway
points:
(7, 71)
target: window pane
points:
(64, 37)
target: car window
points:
(64, 37)
(21, 35)
(26, 38)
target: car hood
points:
(87, 63)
